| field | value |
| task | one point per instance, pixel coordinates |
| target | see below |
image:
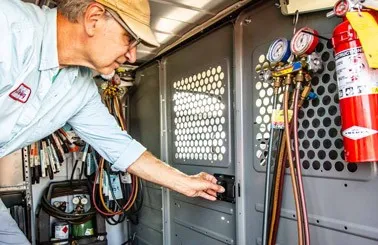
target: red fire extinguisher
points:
(358, 94)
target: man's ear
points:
(92, 15)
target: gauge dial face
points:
(278, 50)
(76, 200)
(304, 43)
(341, 8)
(84, 200)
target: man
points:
(45, 82)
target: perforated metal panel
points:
(200, 115)
(341, 202)
(194, 220)
(320, 140)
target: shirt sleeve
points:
(97, 127)
(5, 53)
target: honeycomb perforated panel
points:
(201, 116)
(320, 140)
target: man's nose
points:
(131, 55)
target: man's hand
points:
(202, 185)
(150, 168)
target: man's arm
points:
(150, 168)
(5, 56)
(97, 127)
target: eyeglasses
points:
(134, 40)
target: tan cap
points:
(136, 15)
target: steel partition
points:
(145, 127)
(341, 197)
(196, 221)
(334, 189)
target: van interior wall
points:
(192, 220)
(334, 189)
(144, 117)
(341, 197)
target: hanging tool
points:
(276, 84)
(299, 78)
(305, 61)
(52, 156)
(279, 172)
(287, 118)
(64, 137)
(58, 152)
(31, 150)
(81, 162)
(108, 201)
(37, 162)
(58, 140)
(48, 165)
(302, 44)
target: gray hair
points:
(73, 9)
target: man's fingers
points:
(206, 196)
(212, 179)
(209, 177)
(216, 187)
(211, 192)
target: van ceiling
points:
(171, 19)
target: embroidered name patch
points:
(22, 93)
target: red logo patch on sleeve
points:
(22, 93)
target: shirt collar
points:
(49, 53)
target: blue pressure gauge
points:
(279, 50)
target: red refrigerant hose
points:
(299, 79)
(288, 81)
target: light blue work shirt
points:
(32, 106)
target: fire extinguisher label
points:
(356, 132)
(354, 76)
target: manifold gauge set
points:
(303, 42)
(289, 68)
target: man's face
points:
(109, 46)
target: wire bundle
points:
(134, 191)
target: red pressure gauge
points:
(304, 41)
